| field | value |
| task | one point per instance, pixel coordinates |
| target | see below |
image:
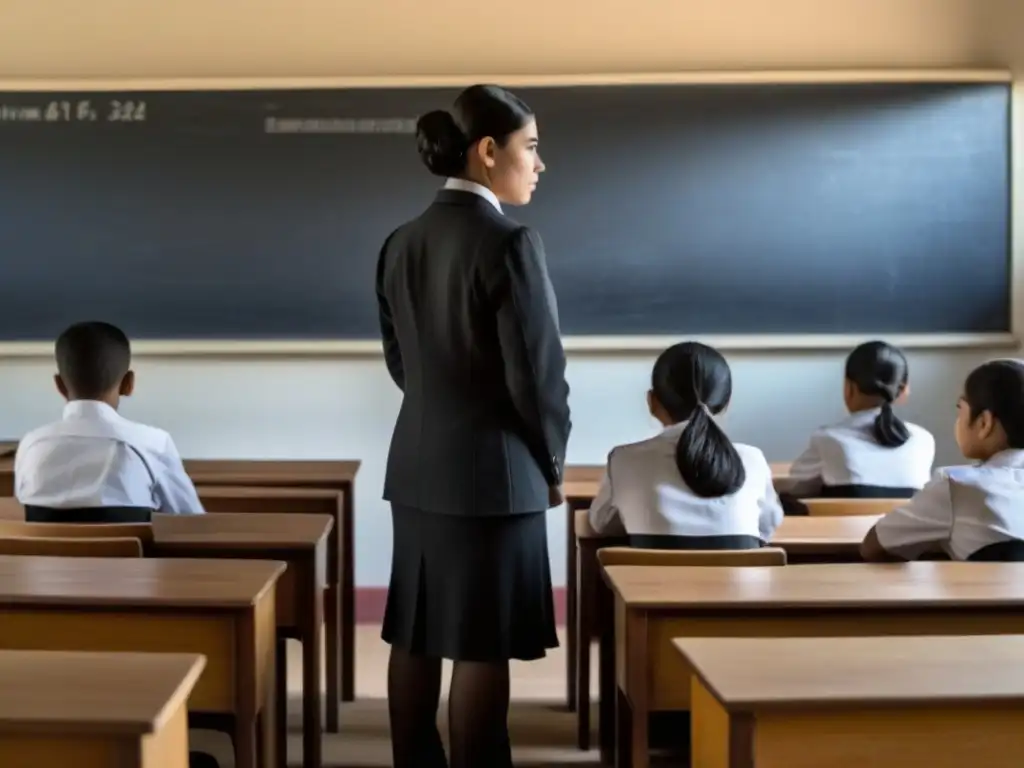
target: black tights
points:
(477, 713)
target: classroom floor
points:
(543, 731)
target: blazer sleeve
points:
(531, 349)
(392, 352)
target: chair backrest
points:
(23, 530)
(71, 547)
(88, 515)
(693, 543)
(865, 492)
(850, 507)
(1011, 551)
(681, 557)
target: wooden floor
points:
(543, 732)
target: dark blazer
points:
(471, 338)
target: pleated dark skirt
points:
(470, 589)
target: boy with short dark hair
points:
(94, 457)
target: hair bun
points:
(441, 143)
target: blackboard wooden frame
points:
(590, 344)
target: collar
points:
(89, 409)
(863, 417)
(465, 185)
(1011, 457)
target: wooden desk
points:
(296, 539)
(655, 605)
(582, 482)
(884, 702)
(337, 476)
(221, 609)
(805, 539)
(95, 710)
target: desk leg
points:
(348, 601)
(586, 563)
(570, 605)
(280, 704)
(333, 652)
(312, 732)
(606, 673)
(623, 730)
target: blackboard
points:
(668, 209)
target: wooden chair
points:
(71, 547)
(22, 530)
(593, 610)
(846, 507)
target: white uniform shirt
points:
(95, 457)
(961, 510)
(644, 491)
(847, 454)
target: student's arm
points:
(770, 508)
(19, 471)
(175, 491)
(531, 348)
(604, 516)
(920, 526)
(804, 478)
(392, 353)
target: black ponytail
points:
(691, 382)
(889, 429)
(880, 370)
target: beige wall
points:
(193, 38)
(296, 408)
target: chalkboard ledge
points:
(355, 348)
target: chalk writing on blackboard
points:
(77, 111)
(339, 125)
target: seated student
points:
(95, 465)
(689, 487)
(872, 453)
(973, 512)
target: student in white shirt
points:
(871, 453)
(95, 465)
(973, 512)
(689, 487)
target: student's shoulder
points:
(33, 436)
(150, 438)
(752, 456)
(920, 434)
(639, 449)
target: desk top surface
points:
(211, 490)
(64, 693)
(272, 471)
(839, 530)
(226, 531)
(775, 673)
(134, 582)
(842, 586)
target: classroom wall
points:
(285, 408)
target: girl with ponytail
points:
(872, 453)
(689, 487)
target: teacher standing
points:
(470, 329)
